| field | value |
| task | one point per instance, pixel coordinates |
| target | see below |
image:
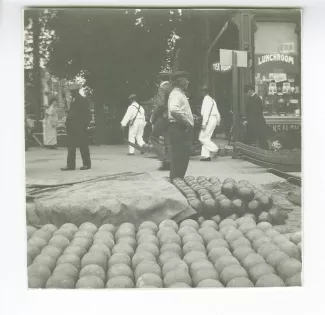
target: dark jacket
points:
(161, 102)
(78, 120)
(254, 111)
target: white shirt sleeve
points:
(128, 116)
(174, 102)
(217, 112)
(205, 109)
(174, 106)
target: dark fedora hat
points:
(163, 74)
(180, 74)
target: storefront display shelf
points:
(280, 120)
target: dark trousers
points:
(160, 128)
(85, 155)
(147, 132)
(166, 145)
(180, 142)
(255, 132)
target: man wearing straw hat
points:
(159, 117)
(77, 123)
(181, 124)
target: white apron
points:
(49, 126)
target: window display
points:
(277, 72)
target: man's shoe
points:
(67, 169)
(130, 154)
(206, 159)
(85, 167)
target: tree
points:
(118, 52)
(37, 38)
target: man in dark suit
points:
(256, 127)
(77, 123)
(159, 118)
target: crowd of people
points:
(172, 120)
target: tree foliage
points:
(118, 52)
(41, 17)
(37, 37)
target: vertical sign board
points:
(226, 58)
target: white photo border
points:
(16, 299)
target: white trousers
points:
(136, 133)
(205, 138)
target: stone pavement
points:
(43, 166)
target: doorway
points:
(222, 93)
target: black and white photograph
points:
(163, 147)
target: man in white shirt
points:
(211, 119)
(181, 124)
(135, 119)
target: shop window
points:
(277, 68)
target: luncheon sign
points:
(275, 57)
(271, 63)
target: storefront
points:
(277, 75)
(271, 39)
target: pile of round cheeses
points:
(228, 199)
(233, 253)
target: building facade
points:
(272, 40)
